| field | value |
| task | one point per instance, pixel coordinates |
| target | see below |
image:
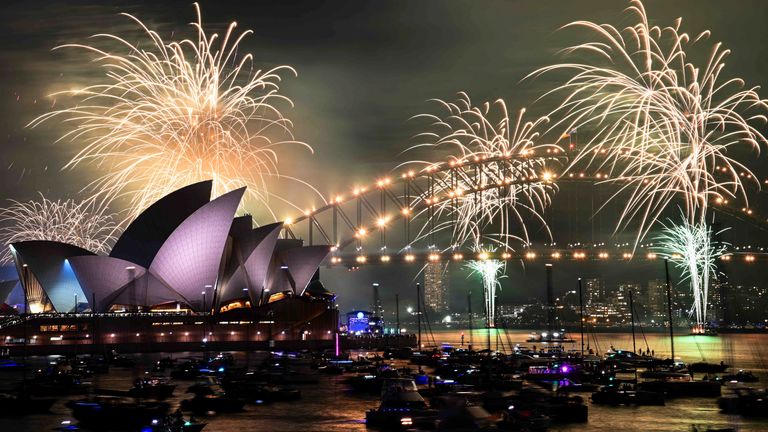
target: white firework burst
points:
(665, 126)
(490, 271)
(171, 113)
(690, 247)
(81, 223)
(509, 189)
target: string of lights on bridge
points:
(547, 175)
(746, 254)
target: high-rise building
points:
(656, 299)
(436, 286)
(620, 299)
(594, 292)
(376, 307)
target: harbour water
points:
(329, 406)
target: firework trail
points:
(515, 184)
(81, 223)
(691, 249)
(490, 270)
(174, 113)
(663, 125)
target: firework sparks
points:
(80, 223)
(663, 125)
(490, 271)
(174, 113)
(691, 249)
(510, 187)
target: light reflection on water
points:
(329, 407)
(744, 351)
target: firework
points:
(511, 186)
(691, 249)
(173, 113)
(81, 223)
(490, 271)
(663, 125)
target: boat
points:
(710, 428)
(626, 394)
(257, 391)
(401, 407)
(189, 369)
(682, 384)
(710, 368)
(523, 419)
(218, 403)
(152, 387)
(174, 423)
(8, 365)
(58, 384)
(740, 376)
(555, 337)
(559, 408)
(121, 361)
(625, 357)
(701, 330)
(457, 414)
(745, 401)
(22, 404)
(209, 396)
(105, 413)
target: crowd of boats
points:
(215, 385)
(531, 389)
(446, 388)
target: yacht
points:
(401, 407)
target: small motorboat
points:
(218, 403)
(682, 384)
(626, 394)
(740, 376)
(260, 392)
(401, 407)
(152, 387)
(23, 404)
(106, 413)
(456, 414)
(710, 368)
(174, 423)
(745, 401)
(523, 419)
(555, 337)
(121, 361)
(211, 397)
(57, 382)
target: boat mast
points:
(550, 300)
(581, 318)
(669, 309)
(397, 313)
(469, 312)
(418, 313)
(632, 319)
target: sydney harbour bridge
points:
(401, 217)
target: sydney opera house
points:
(183, 272)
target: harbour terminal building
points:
(187, 272)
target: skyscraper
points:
(656, 299)
(594, 292)
(436, 286)
(620, 299)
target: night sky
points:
(364, 68)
